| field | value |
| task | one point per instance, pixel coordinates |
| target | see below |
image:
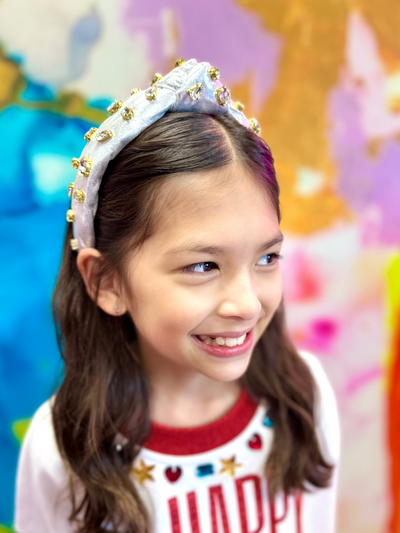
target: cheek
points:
(271, 294)
(168, 310)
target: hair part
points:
(104, 386)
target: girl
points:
(184, 408)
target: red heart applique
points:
(255, 442)
(173, 473)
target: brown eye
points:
(201, 268)
(270, 259)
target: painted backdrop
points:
(323, 79)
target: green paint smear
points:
(19, 429)
(4, 529)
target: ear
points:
(109, 297)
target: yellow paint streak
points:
(9, 76)
(20, 427)
(392, 298)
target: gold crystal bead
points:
(223, 95)
(89, 134)
(157, 77)
(195, 91)
(104, 135)
(85, 166)
(70, 215)
(75, 162)
(113, 108)
(74, 244)
(127, 113)
(255, 126)
(151, 92)
(79, 196)
(239, 106)
(134, 91)
(179, 62)
(214, 73)
(71, 188)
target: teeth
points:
(241, 339)
(231, 342)
(221, 341)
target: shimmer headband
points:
(190, 86)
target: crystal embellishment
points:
(151, 92)
(135, 91)
(74, 244)
(204, 470)
(71, 188)
(195, 91)
(113, 108)
(268, 422)
(223, 95)
(85, 166)
(229, 466)
(89, 134)
(157, 77)
(127, 113)
(255, 126)
(239, 106)
(173, 473)
(79, 196)
(143, 472)
(75, 162)
(179, 62)
(214, 73)
(104, 135)
(70, 215)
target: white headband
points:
(190, 86)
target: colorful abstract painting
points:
(323, 79)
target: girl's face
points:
(210, 271)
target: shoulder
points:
(42, 501)
(41, 475)
(326, 413)
(40, 442)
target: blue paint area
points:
(204, 470)
(35, 153)
(35, 92)
(30, 134)
(84, 34)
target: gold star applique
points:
(142, 472)
(229, 466)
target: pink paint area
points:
(364, 378)
(216, 33)
(302, 281)
(364, 138)
(319, 336)
(374, 87)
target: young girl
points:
(184, 408)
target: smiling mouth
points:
(229, 342)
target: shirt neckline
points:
(187, 441)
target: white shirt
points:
(207, 479)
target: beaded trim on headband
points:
(190, 86)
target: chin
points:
(228, 371)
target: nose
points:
(240, 299)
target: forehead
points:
(222, 204)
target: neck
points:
(182, 397)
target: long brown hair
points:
(104, 386)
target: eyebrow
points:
(197, 247)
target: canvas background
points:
(323, 79)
